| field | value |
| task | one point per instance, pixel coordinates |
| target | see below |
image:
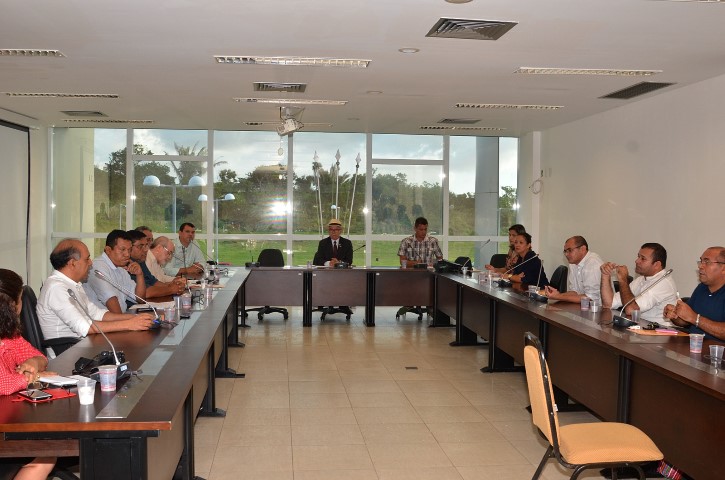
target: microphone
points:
(121, 289)
(209, 260)
(252, 263)
(506, 283)
(621, 320)
(122, 368)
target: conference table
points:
(652, 382)
(145, 429)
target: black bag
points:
(89, 366)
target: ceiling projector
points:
(289, 126)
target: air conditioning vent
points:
(280, 87)
(470, 29)
(83, 113)
(459, 121)
(637, 90)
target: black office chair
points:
(616, 282)
(464, 262)
(269, 257)
(498, 260)
(559, 278)
(31, 327)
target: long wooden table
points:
(145, 429)
(653, 382)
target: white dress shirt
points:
(100, 291)
(156, 269)
(652, 303)
(184, 257)
(585, 277)
(60, 315)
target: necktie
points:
(334, 249)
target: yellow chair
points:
(584, 445)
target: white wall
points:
(649, 171)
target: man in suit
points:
(334, 248)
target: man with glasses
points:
(584, 275)
(139, 254)
(334, 248)
(650, 266)
(161, 251)
(704, 312)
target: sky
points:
(264, 147)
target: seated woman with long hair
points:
(20, 365)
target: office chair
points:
(580, 446)
(616, 282)
(464, 261)
(34, 334)
(269, 257)
(559, 278)
(498, 260)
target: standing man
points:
(584, 276)
(188, 257)
(650, 265)
(60, 316)
(154, 287)
(705, 311)
(420, 247)
(334, 248)
(116, 265)
(161, 252)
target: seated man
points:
(334, 248)
(146, 231)
(650, 265)
(60, 315)
(705, 311)
(584, 275)
(160, 253)
(188, 257)
(330, 251)
(154, 287)
(420, 247)
(116, 265)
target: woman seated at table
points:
(511, 257)
(20, 364)
(527, 270)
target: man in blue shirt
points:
(705, 311)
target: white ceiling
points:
(157, 56)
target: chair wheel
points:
(285, 316)
(322, 317)
(397, 316)
(347, 317)
(246, 315)
(420, 317)
(260, 316)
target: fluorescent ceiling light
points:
(468, 129)
(586, 71)
(262, 124)
(504, 106)
(61, 95)
(100, 120)
(290, 101)
(293, 61)
(29, 52)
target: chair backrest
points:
(616, 282)
(29, 318)
(271, 257)
(498, 260)
(463, 261)
(541, 394)
(559, 278)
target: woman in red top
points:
(20, 364)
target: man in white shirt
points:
(60, 315)
(584, 275)
(160, 253)
(650, 265)
(188, 259)
(116, 265)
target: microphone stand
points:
(621, 320)
(123, 290)
(506, 283)
(122, 368)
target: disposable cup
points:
(107, 375)
(635, 315)
(595, 305)
(170, 315)
(404, 264)
(177, 303)
(86, 390)
(584, 303)
(464, 271)
(716, 353)
(696, 342)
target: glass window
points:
(401, 193)
(249, 166)
(412, 147)
(319, 192)
(462, 178)
(239, 252)
(508, 171)
(385, 253)
(172, 142)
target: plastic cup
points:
(595, 305)
(107, 375)
(635, 315)
(404, 264)
(86, 391)
(584, 302)
(170, 315)
(177, 303)
(716, 353)
(696, 342)
(208, 291)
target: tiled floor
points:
(343, 401)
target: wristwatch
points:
(697, 321)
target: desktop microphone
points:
(252, 263)
(121, 289)
(621, 320)
(506, 283)
(209, 260)
(122, 368)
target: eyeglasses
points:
(567, 251)
(168, 251)
(707, 262)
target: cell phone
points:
(35, 395)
